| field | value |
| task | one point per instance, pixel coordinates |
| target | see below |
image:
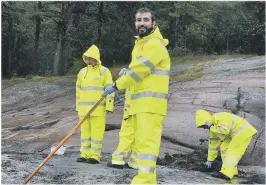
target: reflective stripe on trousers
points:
(119, 157)
(213, 149)
(147, 157)
(126, 142)
(92, 130)
(232, 157)
(148, 139)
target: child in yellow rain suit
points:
(229, 132)
(91, 83)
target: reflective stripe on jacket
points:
(228, 126)
(148, 75)
(90, 86)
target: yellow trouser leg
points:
(132, 162)
(148, 140)
(126, 139)
(224, 146)
(85, 138)
(97, 133)
(233, 156)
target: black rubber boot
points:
(92, 161)
(220, 175)
(127, 166)
(117, 166)
(204, 168)
(81, 159)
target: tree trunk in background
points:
(100, 23)
(61, 25)
(170, 34)
(57, 55)
(175, 31)
(227, 45)
(9, 62)
(35, 62)
(62, 62)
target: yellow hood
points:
(202, 116)
(92, 52)
(156, 33)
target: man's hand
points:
(122, 72)
(109, 90)
(209, 164)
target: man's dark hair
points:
(146, 10)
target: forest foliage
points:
(49, 37)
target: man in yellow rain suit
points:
(232, 133)
(148, 79)
(91, 82)
(125, 150)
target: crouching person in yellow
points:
(125, 150)
(91, 82)
(229, 132)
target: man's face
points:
(90, 61)
(144, 24)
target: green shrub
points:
(77, 66)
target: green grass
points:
(188, 77)
(194, 72)
(258, 68)
(253, 57)
(16, 80)
(226, 70)
(33, 79)
(115, 70)
(187, 59)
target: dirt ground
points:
(63, 169)
(38, 115)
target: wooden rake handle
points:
(64, 140)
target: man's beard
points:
(144, 31)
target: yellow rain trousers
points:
(92, 131)
(232, 134)
(148, 79)
(148, 141)
(126, 150)
(91, 82)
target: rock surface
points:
(38, 115)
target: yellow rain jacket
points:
(148, 75)
(147, 78)
(229, 132)
(90, 86)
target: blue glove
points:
(122, 72)
(209, 164)
(109, 90)
(208, 124)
